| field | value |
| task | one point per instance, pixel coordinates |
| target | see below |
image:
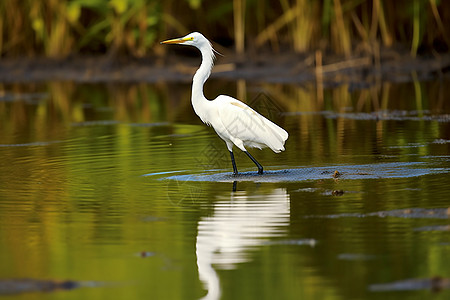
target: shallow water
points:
(122, 191)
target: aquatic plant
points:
(56, 28)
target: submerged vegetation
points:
(56, 28)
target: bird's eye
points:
(191, 38)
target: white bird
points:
(235, 122)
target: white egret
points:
(235, 122)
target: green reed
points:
(57, 28)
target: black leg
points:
(235, 171)
(234, 186)
(260, 168)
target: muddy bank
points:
(359, 72)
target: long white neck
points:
(198, 99)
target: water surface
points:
(121, 190)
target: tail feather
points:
(277, 138)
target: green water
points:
(123, 189)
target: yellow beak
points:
(175, 41)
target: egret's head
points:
(197, 40)
(192, 39)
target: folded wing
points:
(240, 123)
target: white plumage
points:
(234, 121)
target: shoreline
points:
(289, 68)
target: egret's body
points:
(234, 121)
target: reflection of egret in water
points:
(236, 226)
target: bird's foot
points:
(260, 171)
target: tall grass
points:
(56, 28)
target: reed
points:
(239, 25)
(416, 28)
(56, 28)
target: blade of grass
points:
(416, 28)
(239, 25)
(271, 30)
(438, 19)
(341, 33)
(375, 19)
(385, 35)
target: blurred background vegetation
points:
(58, 28)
